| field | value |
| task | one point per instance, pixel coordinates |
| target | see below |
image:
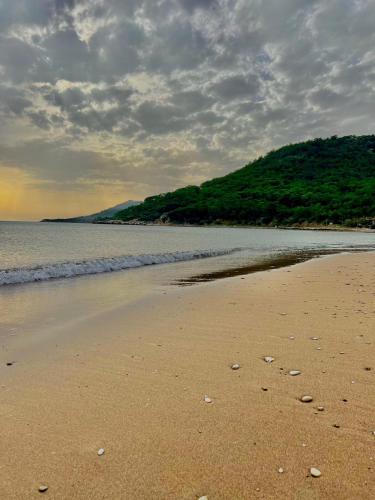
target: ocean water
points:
(34, 252)
(55, 276)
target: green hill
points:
(321, 181)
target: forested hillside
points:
(320, 181)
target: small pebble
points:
(264, 389)
(293, 373)
(10, 363)
(281, 470)
(268, 359)
(336, 425)
(203, 498)
(236, 366)
(320, 408)
(206, 399)
(43, 488)
(314, 338)
(101, 452)
(306, 399)
(292, 338)
(315, 472)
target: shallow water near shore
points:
(185, 255)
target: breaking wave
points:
(105, 265)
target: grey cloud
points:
(27, 12)
(160, 118)
(236, 86)
(192, 100)
(13, 100)
(191, 5)
(209, 118)
(186, 82)
(40, 119)
(57, 162)
(326, 98)
(17, 58)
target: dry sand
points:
(133, 383)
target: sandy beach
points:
(133, 382)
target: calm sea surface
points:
(52, 273)
(41, 251)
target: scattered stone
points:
(268, 359)
(43, 488)
(264, 389)
(293, 373)
(203, 498)
(315, 472)
(336, 425)
(367, 368)
(291, 337)
(101, 452)
(318, 348)
(306, 399)
(281, 470)
(320, 408)
(235, 366)
(206, 399)
(314, 338)
(345, 400)
(373, 433)
(10, 363)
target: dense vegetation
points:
(321, 181)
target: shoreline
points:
(315, 227)
(133, 382)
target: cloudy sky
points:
(107, 100)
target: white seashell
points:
(236, 366)
(306, 399)
(315, 472)
(293, 373)
(268, 359)
(206, 399)
(101, 452)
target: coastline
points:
(242, 226)
(133, 382)
(307, 227)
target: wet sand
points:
(133, 381)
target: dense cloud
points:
(162, 93)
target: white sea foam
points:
(105, 265)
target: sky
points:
(102, 101)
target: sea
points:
(52, 273)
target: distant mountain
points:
(323, 181)
(104, 214)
